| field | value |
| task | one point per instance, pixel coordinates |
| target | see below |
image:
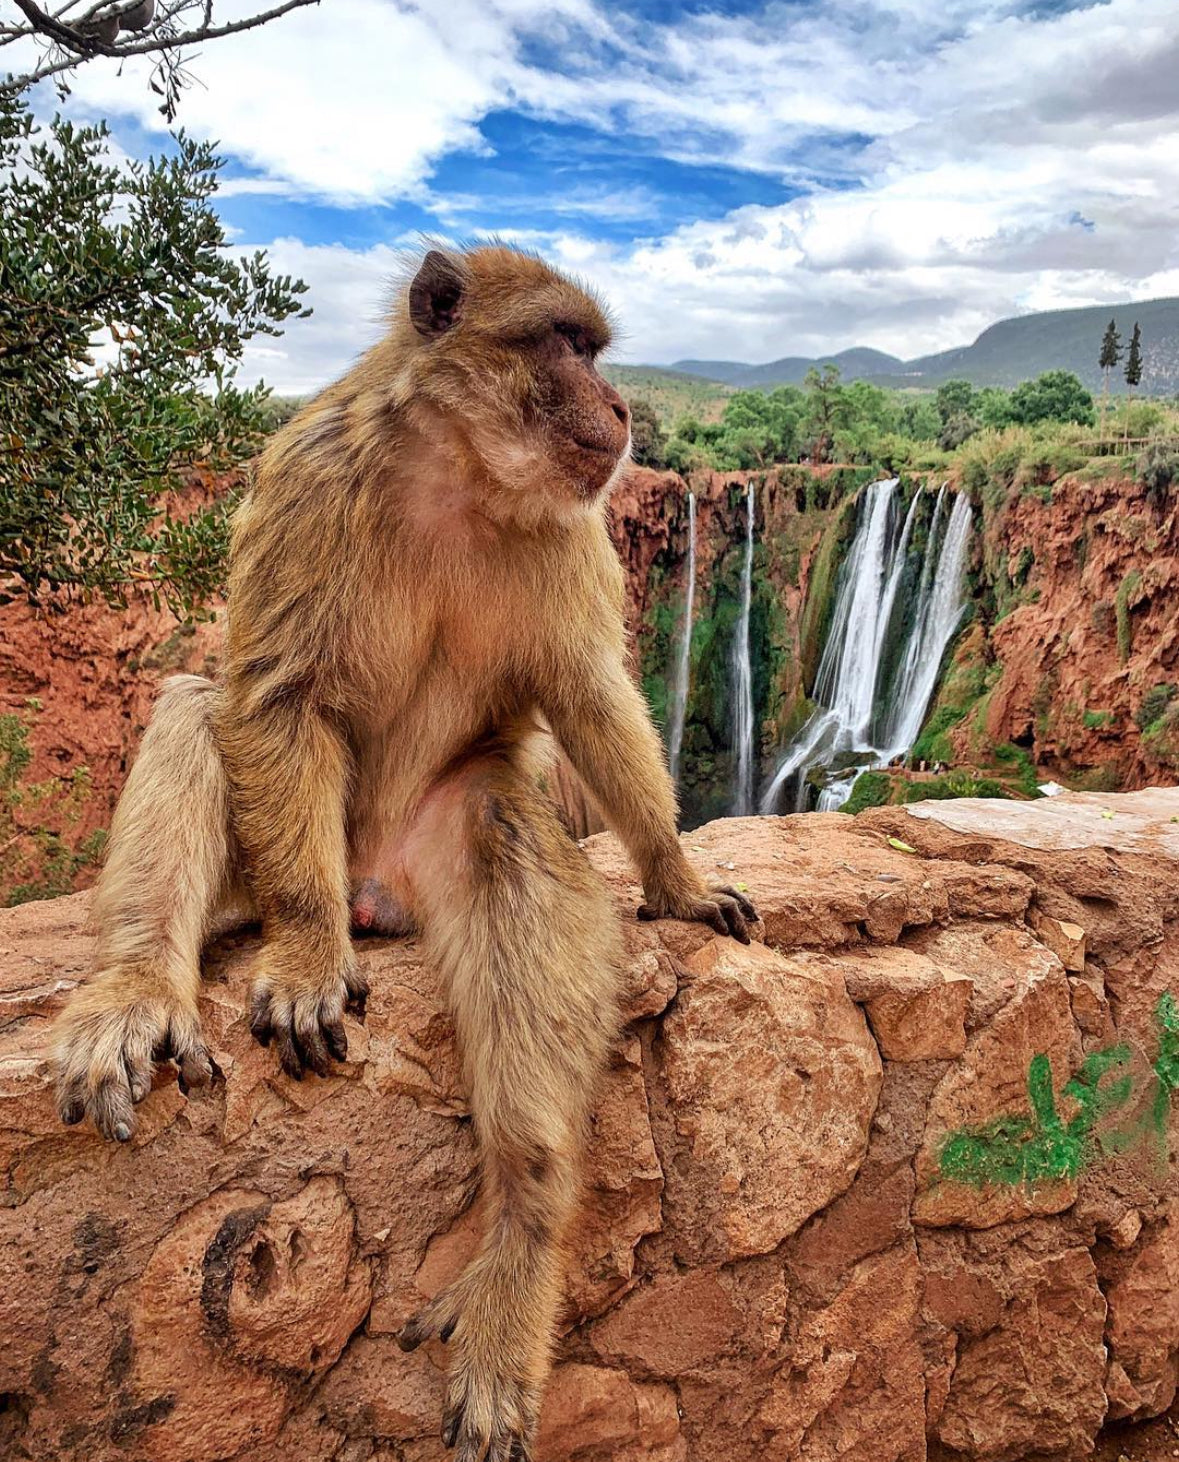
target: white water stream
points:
(743, 676)
(869, 713)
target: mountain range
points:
(1006, 353)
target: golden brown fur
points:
(420, 579)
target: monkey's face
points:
(513, 346)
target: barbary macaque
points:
(421, 587)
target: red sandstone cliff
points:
(778, 1259)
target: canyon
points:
(1064, 665)
(895, 1183)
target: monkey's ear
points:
(436, 294)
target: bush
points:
(1022, 766)
(93, 249)
(41, 853)
(872, 789)
(933, 744)
(1126, 590)
(1158, 468)
(1154, 705)
(955, 784)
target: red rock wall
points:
(775, 1261)
(1058, 651)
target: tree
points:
(1053, 396)
(122, 320)
(71, 34)
(826, 413)
(758, 427)
(648, 440)
(993, 406)
(1134, 359)
(955, 398)
(1111, 353)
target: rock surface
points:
(892, 1184)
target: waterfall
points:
(868, 711)
(743, 675)
(679, 689)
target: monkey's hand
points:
(111, 1033)
(301, 1007)
(725, 909)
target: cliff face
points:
(891, 1183)
(1067, 665)
(801, 521)
(1084, 660)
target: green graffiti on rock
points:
(1043, 1146)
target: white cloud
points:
(983, 133)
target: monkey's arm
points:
(604, 726)
(288, 770)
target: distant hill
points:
(1003, 355)
(673, 393)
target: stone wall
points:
(893, 1183)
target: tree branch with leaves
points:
(71, 34)
(123, 318)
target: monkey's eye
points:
(576, 336)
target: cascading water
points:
(679, 689)
(743, 675)
(870, 707)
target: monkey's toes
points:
(105, 1058)
(356, 993)
(436, 1322)
(308, 1031)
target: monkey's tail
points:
(526, 935)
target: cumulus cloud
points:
(955, 161)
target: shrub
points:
(1157, 468)
(872, 789)
(40, 851)
(1126, 589)
(934, 744)
(1154, 704)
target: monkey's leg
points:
(169, 872)
(527, 937)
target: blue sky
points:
(743, 180)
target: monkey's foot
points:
(108, 1041)
(725, 909)
(306, 1025)
(491, 1409)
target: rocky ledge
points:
(893, 1183)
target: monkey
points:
(422, 588)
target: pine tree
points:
(1134, 359)
(1133, 370)
(1111, 353)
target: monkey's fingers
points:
(743, 901)
(308, 1031)
(105, 1052)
